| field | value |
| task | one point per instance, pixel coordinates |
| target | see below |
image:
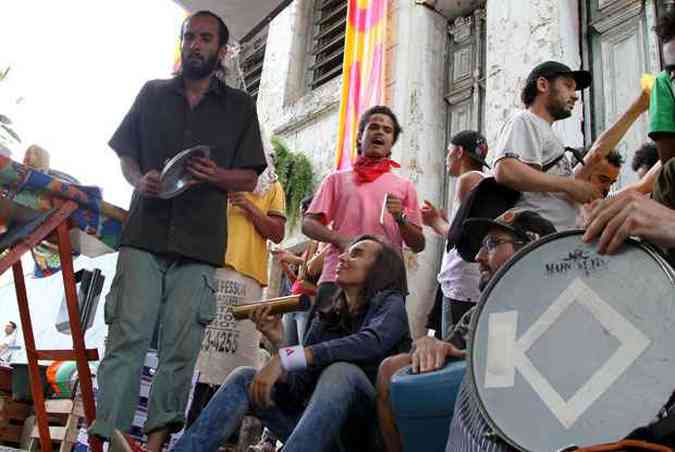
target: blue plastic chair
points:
(423, 405)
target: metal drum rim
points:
(653, 251)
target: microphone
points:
(280, 305)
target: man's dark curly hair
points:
(614, 159)
(665, 26)
(378, 109)
(530, 91)
(646, 155)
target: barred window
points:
(330, 25)
(252, 57)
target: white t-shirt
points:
(531, 140)
(7, 346)
(459, 278)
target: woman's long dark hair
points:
(386, 273)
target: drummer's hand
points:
(632, 214)
(238, 199)
(581, 191)
(431, 354)
(269, 325)
(149, 184)
(260, 390)
(203, 169)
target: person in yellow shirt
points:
(252, 219)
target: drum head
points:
(569, 347)
(175, 178)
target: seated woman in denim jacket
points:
(320, 397)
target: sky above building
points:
(76, 67)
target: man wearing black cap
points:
(529, 156)
(491, 243)
(457, 279)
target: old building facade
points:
(451, 65)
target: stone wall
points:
(305, 119)
(418, 88)
(520, 35)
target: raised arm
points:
(610, 138)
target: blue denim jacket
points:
(380, 332)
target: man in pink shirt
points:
(368, 199)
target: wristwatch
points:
(401, 219)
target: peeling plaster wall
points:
(419, 86)
(305, 119)
(520, 35)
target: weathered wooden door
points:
(466, 82)
(621, 48)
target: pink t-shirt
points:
(354, 209)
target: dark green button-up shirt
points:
(159, 125)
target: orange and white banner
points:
(363, 71)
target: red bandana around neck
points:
(367, 169)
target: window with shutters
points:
(328, 40)
(251, 61)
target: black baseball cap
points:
(526, 225)
(473, 143)
(552, 68)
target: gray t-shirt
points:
(531, 140)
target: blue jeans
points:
(343, 397)
(294, 327)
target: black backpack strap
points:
(575, 152)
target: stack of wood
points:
(12, 417)
(64, 416)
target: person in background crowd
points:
(602, 163)
(606, 171)
(8, 342)
(169, 248)
(309, 266)
(530, 158)
(662, 112)
(458, 280)
(320, 397)
(252, 220)
(662, 105)
(644, 159)
(367, 199)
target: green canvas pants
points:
(147, 287)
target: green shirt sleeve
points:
(662, 107)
